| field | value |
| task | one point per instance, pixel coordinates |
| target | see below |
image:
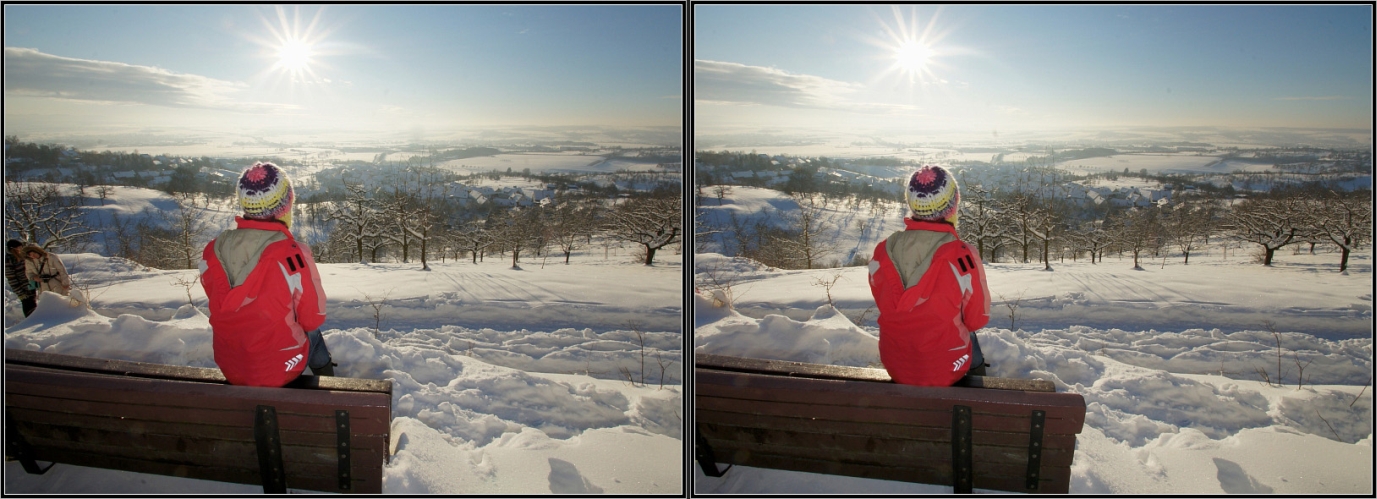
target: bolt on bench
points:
(992, 433)
(317, 433)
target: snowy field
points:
(506, 381)
(547, 162)
(1167, 359)
(1158, 164)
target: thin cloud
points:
(1327, 97)
(734, 83)
(34, 73)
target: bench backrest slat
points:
(130, 368)
(874, 428)
(194, 429)
(848, 373)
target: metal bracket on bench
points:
(269, 443)
(342, 430)
(17, 447)
(1035, 448)
(961, 449)
(703, 454)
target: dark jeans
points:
(977, 358)
(319, 356)
(29, 304)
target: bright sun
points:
(913, 50)
(912, 56)
(295, 48)
(294, 55)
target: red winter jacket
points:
(264, 295)
(930, 289)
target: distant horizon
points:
(1347, 138)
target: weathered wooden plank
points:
(1006, 437)
(789, 368)
(369, 482)
(298, 420)
(931, 472)
(875, 450)
(856, 422)
(744, 452)
(86, 433)
(749, 397)
(749, 385)
(183, 421)
(313, 460)
(183, 373)
(936, 417)
(847, 373)
(995, 383)
(757, 387)
(184, 429)
(162, 400)
(53, 379)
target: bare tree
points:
(189, 226)
(38, 212)
(356, 217)
(721, 192)
(570, 224)
(475, 236)
(103, 191)
(1095, 238)
(397, 211)
(651, 222)
(980, 220)
(1046, 228)
(1269, 222)
(1187, 224)
(1136, 230)
(1023, 215)
(515, 231)
(805, 241)
(1346, 220)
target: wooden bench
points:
(991, 433)
(318, 433)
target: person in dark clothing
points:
(14, 274)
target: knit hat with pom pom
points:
(265, 193)
(933, 195)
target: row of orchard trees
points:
(421, 218)
(407, 215)
(1027, 226)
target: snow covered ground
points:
(1160, 163)
(1167, 359)
(549, 162)
(505, 381)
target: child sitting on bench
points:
(930, 289)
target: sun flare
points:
(912, 49)
(295, 48)
(911, 56)
(294, 55)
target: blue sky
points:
(370, 67)
(1007, 67)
